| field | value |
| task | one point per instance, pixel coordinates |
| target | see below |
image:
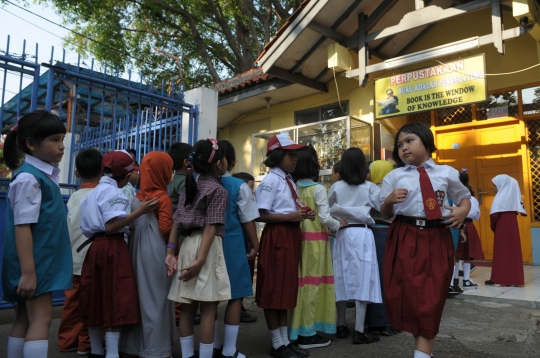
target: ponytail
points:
(12, 154)
(191, 184)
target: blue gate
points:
(101, 110)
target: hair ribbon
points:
(14, 128)
(214, 148)
(464, 170)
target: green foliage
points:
(214, 39)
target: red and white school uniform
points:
(507, 267)
(472, 248)
(280, 247)
(108, 289)
(419, 254)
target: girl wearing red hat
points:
(279, 253)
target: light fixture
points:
(435, 52)
(267, 99)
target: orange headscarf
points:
(156, 172)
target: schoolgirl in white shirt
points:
(419, 253)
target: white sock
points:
(205, 350)
(466, 271)
(276, 338)
(96, 340)
(15, 347)
(284, 335)
(186, 344)
(456, 272)
(461, 263)
(418, 354)
(35, 349)
(341, 308)
(111, 344)
(229, 340)
(217, 342)
(361, 308)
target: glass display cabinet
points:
(329, 138)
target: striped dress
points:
(316, 304)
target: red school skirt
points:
(108, 293)
(472, 248)
(418, 264)
(277, 268)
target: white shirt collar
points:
(227, 174)
(279, 171)
(427, 164)
(106, 180)
(41, 165)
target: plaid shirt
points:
(208, 207)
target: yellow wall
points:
(520, 53)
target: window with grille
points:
(422, 117)
(531, 100)
(508, 99)
(533, 141)
(454, 115)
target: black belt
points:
(356, 225)
(99, 235)
(421, 222)
(467, 220)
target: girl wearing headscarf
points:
(376, 318)
(507, 266)
(154, 336)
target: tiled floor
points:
(530, 292)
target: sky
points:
(21, 25)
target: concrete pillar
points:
(207, 101)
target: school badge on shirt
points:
(431, 203)
(440, 197)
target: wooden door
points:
(487, 152)
(457, 150)
(499, 151)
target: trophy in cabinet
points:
(262, 167)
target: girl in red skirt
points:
(419, 253)
(507, 267)
(279, 251)
(470, 248)
(108, 289)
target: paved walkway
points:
(528, 295)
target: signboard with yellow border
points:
(450, 84)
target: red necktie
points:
(297, 200)
(431, 205)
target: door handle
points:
(480, 193)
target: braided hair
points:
(206, 153)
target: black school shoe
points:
(315, 341)
(342, 332)
(297, 350)
(364, 338)
(282, 352)
(247, 318)
(235, 355)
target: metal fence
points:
(101, 109)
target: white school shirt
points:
(104, 203)
(353, 203)
(74, 227)
(445, 182)
(474, 213)
(247, 205)
(25, 194)
(323, 209)
(274, 195)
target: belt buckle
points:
(420, 222)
